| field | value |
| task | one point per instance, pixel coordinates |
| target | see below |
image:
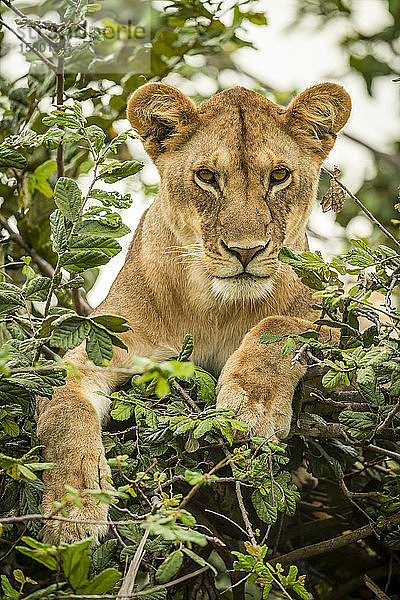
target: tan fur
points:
(179, 276)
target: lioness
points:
(239, 176)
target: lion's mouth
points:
(242, 276)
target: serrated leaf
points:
(263, 507)
(331, 379)
(37, 289)
(11, 158)
(68, 198)
(116, 172)
(58, 231)
(94, 227)
(98, 345)
(112, 198)
(269, 338)
(70, 332)
(88, 251)
(289, 346)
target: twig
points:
(393, 160)
(32, 48)
(196, 487)
(226, 518)
(245, 516)
(152, 590)
(15, 237)
(350, 494)
(390, 453)
(363, 208)
(32, 25)
(307, 552)
(186, 396)
(128, 582)
(43, 265)
(371, 585)
(40, 517)
(389, 418)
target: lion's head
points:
(239, 175)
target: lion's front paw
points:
(90, 521)
(270, 419)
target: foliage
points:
(192, 492)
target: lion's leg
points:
(258, 382)
(69, 426)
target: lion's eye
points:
(206, 175)
(279, 175)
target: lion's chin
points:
(241, 289)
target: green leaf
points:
(361, 424)
(37, 289)
(45, 592)
(103, 582)
(269, 338)
(202, 428)
(104, 554)
(116, 171)
(75, 561)
(44, 554)
(301, 591)
(98, 345)
(169, 567)
(58, 231)
(205, 384)
(98, 136)
(187, 348)
(7, 588)
(10, 298)
(69, 332)
(331, 379)
(88, 251)
(68, 198)
(121, 411)
(112, 323)
(264, 509)
(193, 477)
(94, 227)
(199, 560)
(112, 198)
(10, 426)
(289, 346)
(11, 158)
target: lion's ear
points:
(160, 114)
(316, 115)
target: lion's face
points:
(238, 176)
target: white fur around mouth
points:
(240, 289)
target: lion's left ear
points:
(316, 115)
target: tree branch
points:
(307, 552)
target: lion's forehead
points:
(236, 135)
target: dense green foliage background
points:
(200, 511)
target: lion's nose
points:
(245, 255)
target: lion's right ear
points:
(162, 115)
